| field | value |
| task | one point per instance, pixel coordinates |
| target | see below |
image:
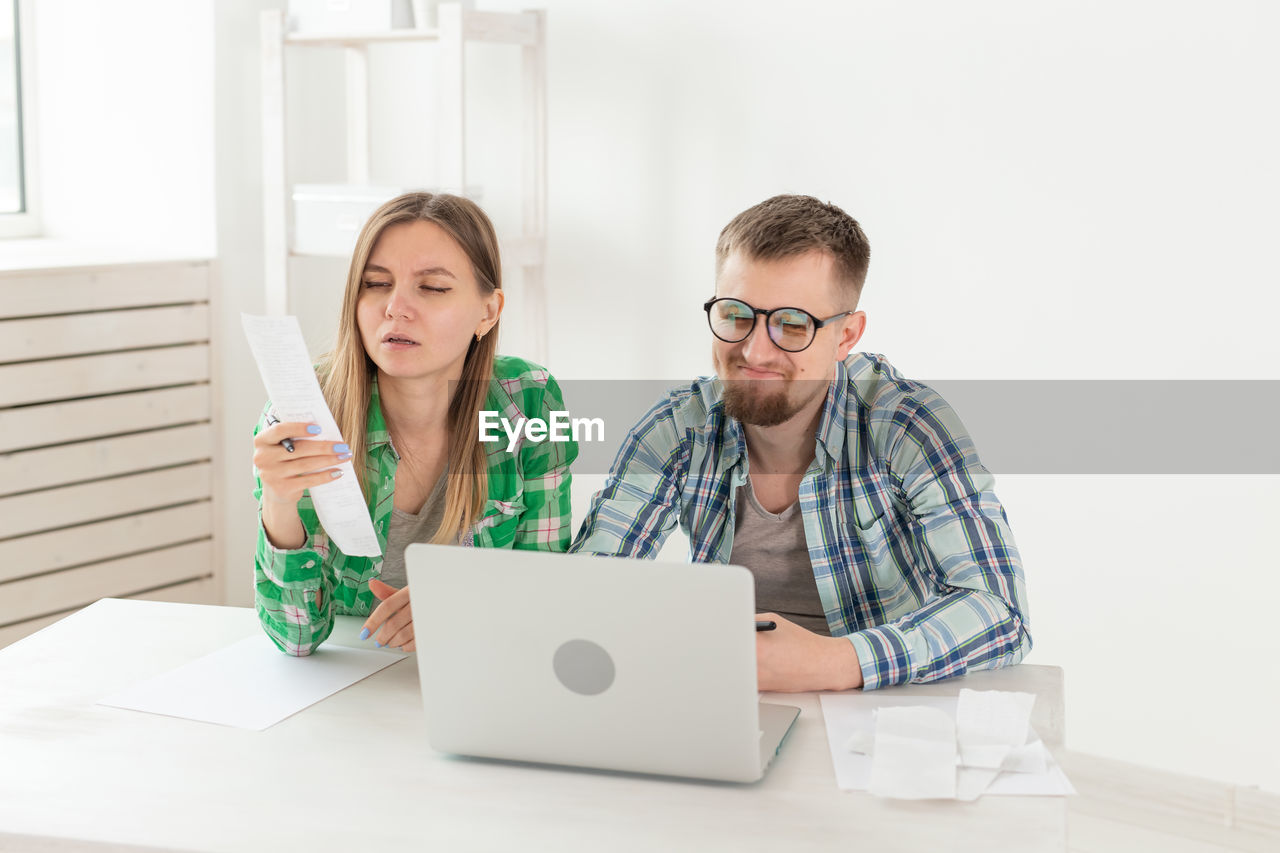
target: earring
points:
(478, 337)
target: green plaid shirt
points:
(527, 507)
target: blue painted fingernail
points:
(314, 429)
(364, 634)
(344, 457)
(376, 643)
(341, 448)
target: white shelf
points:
(458, 24)
(490, 27)
(359, 39)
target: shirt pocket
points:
(867, 511)
(870, 518)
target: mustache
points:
(774, 368)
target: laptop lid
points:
(590, 661)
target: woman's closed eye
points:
(370, 284)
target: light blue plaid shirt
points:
(911, 550)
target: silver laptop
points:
(589, 661)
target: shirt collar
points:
(735, 439)
(833, 427)
(375, 425)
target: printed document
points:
(295, 394)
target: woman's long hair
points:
(346, 373)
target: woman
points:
(413, 366)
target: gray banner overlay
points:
(1220, 427)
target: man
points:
(853, 495)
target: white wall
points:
(1052, 190)
(125, 125)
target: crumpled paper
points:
(923, 753)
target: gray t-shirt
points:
(407, 528)
(773, 547)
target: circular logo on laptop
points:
(584, 667)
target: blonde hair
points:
(346, 372)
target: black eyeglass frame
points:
(756, 312)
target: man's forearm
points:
(844, 668)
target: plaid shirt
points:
(911, 551)
(527, 508)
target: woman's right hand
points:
(285, 476)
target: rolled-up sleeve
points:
(976, 616)
(293, 588)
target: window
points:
(16, 214)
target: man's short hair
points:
(788, 225)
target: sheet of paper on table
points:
(295, 395)
(851, 716)
(252, 684)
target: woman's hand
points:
(392, 616)
(285, 476)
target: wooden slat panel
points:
(107, 457)
(30, 294)
(101, 541)
(199, 591)
(65, 378)
(119, 496)
(12, 633)
(55, 423)
(73, 334)
(54, 593)
(46, 552)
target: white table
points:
(355, 770)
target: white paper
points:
(973, 782)
(1052, 782)
(295, 394)
(863, 741)
(848, 714)
(1029, 758)
(915, 754)
(251, 684)
(990, 725)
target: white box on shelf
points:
(345, 16)
(327, 217)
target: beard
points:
(749, 401)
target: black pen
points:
(766, 626)
(287, 444)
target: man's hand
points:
(393, 617)
(791, 659)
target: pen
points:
(287, 444)
(766, 626)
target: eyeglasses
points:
(791, 329)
